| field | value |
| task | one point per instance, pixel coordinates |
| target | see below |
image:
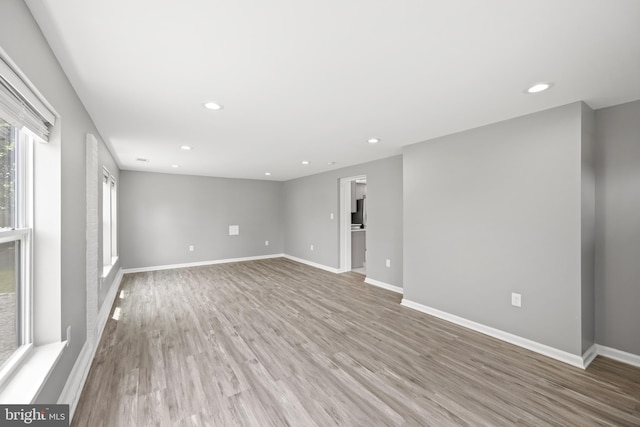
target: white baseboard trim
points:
(383, 285)
(619, 355)
(75, 383)
(103, 314)
(589, 356)
(554, 353)
(312, 264)
(200, 263)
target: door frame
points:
(345, 221)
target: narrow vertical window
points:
(109, 222)
(106, 223)
(114, 221)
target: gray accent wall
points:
(618, 227)
(23, 41)
(309, 202)
(161, 215)
(496, 210)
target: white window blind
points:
(20, 105)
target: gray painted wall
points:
(618, 227)
(309, 201)
(496, 210)
(162, 214)
(588, 228)
(21, 38)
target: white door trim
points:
(345, 221)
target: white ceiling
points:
(313, 80)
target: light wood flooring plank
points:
(278, 343)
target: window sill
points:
(26, 383)
(107, 268)
(105, 271)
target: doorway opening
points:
(353, 224)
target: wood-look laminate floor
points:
(277, 343)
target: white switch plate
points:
(311, 247)
(331, 216)
(266, 243)
(68, 335)
(234, 230)
(190, 248)
(388, 263)
(516, 300)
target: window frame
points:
(23, 233)
(25, 107)
(109, 222)
(114, 220)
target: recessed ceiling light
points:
(373, 140)
(539, 87)
(267, 173)
(185, 147)
(175, 166)
(140, 159)
(305, 162)
(212, 106)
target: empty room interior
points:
(321, 213)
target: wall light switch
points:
(516, 300)
(190, 248)
(388, 263)
(68, 335)
(331, 216)
(311, 247)
(234, 230)
(266, 243)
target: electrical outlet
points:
(68, 335)
(516, 300)
(311, 247)
(266, 243)
(388, 263)
(190, 248)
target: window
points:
(109, 222)
(15, 242)
(114, 221)
(25, 121)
